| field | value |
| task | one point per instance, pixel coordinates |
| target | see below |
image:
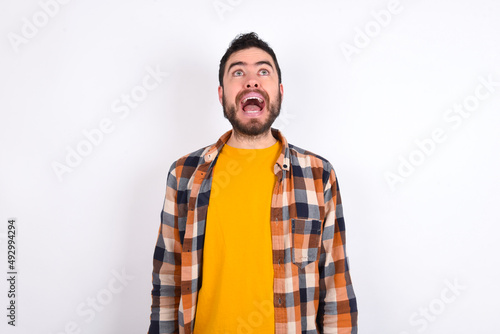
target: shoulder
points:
(304, 158)
(305, 162)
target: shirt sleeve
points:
(337, 311)
(167, 266)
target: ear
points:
(281, 91)
(220, 91)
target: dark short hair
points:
(246, 41)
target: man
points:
(252, 237)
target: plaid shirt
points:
(312, 285)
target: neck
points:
(240, 140)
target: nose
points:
(252, 83)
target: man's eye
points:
(238, 73)
(264, 72)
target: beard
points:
(253, 127)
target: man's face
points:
(251, 96)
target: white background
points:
(436, 226)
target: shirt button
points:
(279, 301)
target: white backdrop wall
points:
(99, 98)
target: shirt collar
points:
(283, 161)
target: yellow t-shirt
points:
(236, 295)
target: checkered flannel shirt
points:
(312, 285)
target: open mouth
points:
(252, 103)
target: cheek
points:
(273, 91)
(230, 96)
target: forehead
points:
(250, 56)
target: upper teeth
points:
(253, 97)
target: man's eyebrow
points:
(262, 62)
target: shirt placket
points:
(189, 258)
(277, 233)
